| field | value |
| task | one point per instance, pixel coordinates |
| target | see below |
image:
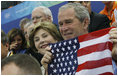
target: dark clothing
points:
(37, 56)
(98, 22)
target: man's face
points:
(38, 16)
(69, 25)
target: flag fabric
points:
(89, 54)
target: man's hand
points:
(113, 38)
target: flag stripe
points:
(94, 35)
(92, 48)
(94, 64)
(94, 41)
(106, 73)
(96, 71)
(97, 56)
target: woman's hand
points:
(47, 59)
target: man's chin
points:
(68, 37)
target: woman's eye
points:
(45, 36)
(36, 40)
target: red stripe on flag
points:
(107, 73)
(94, 35)
(94, 64)
(94, 48)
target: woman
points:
(17, 42)
(43, 34)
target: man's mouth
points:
(67, 34)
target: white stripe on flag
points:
(102, 39)
(94, 56)
(96, 71)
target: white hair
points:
(46, 11)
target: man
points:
(110, 10)
(23, 22)
(73, 21)
(40, 14)
(28, 27)
(4, 45)
(20, 64)
(97, 21)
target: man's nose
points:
(34, 20)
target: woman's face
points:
(17, 41)
(41, 40)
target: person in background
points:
(23, 22)
(41, 13)
(20, 64)
(43, 34)
(4, 45)
(28, 27)
(17, 42)
(97, 21)
(110, 10)
(73, 21)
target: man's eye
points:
(68, 21)
(60, 23)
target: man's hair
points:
(80, 11)
(46, 11)
(23, 22)
(4, 38)
(27, 64)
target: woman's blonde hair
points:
(47, 26)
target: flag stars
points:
(73, 67)
(71, 56)
(61, 64)
(75, 61)
(54, 70)
(59, 70)
(62, 54)
(51, 65)
(58, 59)
(59, 44)
(70, 62)
(74, 46)
(68, 68)
(55, 60)
(57, 65)
(67, 57)
(57, 55)
(68, 48)
(63, 59)
(57, 50)
(65, 63)
(75, 40)
(64, 43)
(66, 53)
(70, 42)
(64, 69)
(63, 49)
(52, 51)
(55, 45)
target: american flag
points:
(89, 54)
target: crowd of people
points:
(26, 50)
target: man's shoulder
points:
(97, 15)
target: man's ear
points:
(49, 18)
(86, 23)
